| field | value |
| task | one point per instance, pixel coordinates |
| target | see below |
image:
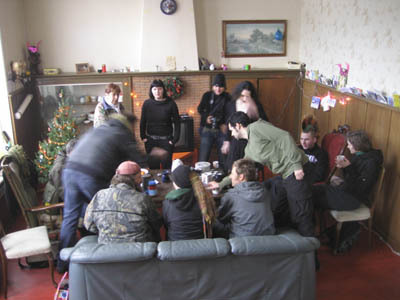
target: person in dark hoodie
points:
(108, 105)
(213, 127)
(360, 174)
(181, 212)
(245, 210)
(159, 124)
(90, 167)
(317, 168)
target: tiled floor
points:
(362, 274)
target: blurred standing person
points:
(160, 124)
(90, 167)
(244, 99)
(213, 129)
(108, 105)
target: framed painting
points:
(254, 38)
(82, 68)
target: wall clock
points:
(168, 7)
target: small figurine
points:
(34, 57)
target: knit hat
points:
(219, 80)
(181, 176)
(128, 168)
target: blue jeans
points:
(79, 190)
(209, 137)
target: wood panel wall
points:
(382, 123)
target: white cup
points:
(340, 157)
(215, 164)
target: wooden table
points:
(163, 188)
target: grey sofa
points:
(258, 267)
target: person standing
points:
(159, 125)
(90, 167)
(212, 123)
(244, 99)
(108, 105)
(276, 149)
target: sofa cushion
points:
(192, 249)
(89, 251)
(286, 242)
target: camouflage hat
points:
(128, 168)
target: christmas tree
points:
(62, 129)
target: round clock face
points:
(168, 7)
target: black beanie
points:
(219, 80)
(181, 176)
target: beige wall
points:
(211, 13)
(168, 35)
(364, 34)
(85, 31)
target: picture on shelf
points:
(82, 68)
(254, 38)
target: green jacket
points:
(272, 147)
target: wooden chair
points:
(334, 144)
(22, 244)
(27, 200)
(360, 214)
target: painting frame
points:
(236, 37)
(82, 68)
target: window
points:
(5, 120)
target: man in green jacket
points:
(276, 149)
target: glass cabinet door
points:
(83, 98)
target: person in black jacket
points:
(318, 161)
(360, 174)
(90, 167)
(244, 99)
(212, 123)
(160, 125)
(181, 212)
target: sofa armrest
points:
(89, 251)
(192, 249)
(286, 242)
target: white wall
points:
(169, 35)
(85, 31)
(363, 33)
(211, 13)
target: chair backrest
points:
(334, 144)
(23, 192)
(376, 190)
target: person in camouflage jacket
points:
(122, 213)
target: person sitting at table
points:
(245, 210)
(317, 168)
(122, 213)
(181, 212)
